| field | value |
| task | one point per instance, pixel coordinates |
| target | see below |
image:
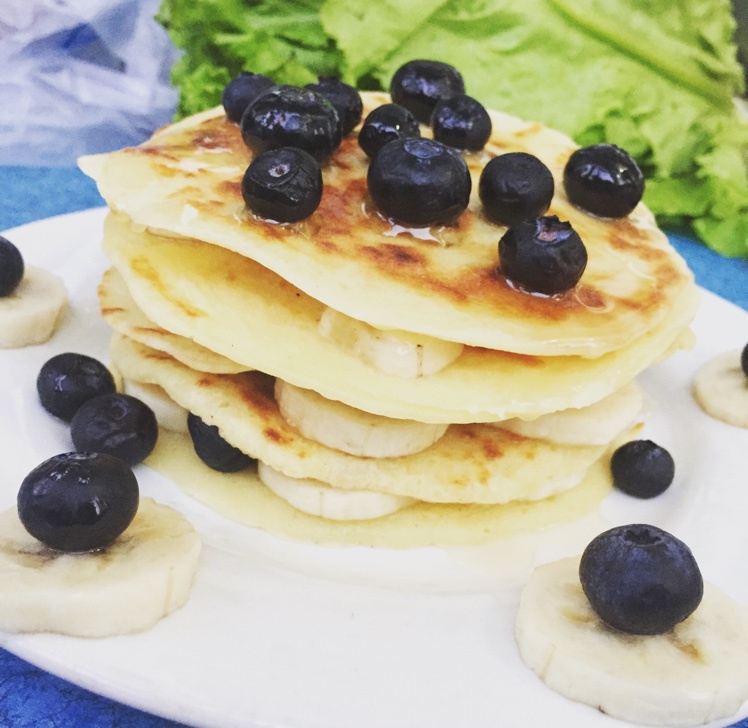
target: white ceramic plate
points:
(284, 634)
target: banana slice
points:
(30, 314)
(393, 352)
(721, 389)
(694, 674)
(142, 577)
(169, 414)
(318, 499)
(596, 424)
(351, 430)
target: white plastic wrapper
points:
(80, 76)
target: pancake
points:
(242, 497)
(233, 306)
(441, 282)
(202, 289)
(123, 315)
(471, 463)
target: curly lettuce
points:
(659, 79)
(283, 39)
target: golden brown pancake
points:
(123, 315)
(233, 306)
(469, 464)
(242, 497)
(442, 282)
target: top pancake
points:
(442, 282)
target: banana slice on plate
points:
(169, 414)
(351, 430)
(690, 675)
(400, 353)
(30, 314)
(318, 499)
(127, 587)
(721, 389)
(596, 424)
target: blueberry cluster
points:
(83, 500)
(424, 182)
(80, 390)
(291, 130)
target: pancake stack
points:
(388, 378)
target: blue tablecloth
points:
(30, 698)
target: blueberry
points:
(744, 360)
(213, 450)
(78, 501)
(603, 180)
(345, 99)
(461, 121)
(68, 380)
(418, 85)
(640, 579)
(11, 267)
(385, 124)
(287, 116)
(283, 184)
(514, 187)
(542, 255)
(642, 469)
(241, 91)
(419, 182)
(115, 424)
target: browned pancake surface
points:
(443, 281)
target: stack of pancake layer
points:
(413, 380)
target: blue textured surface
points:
(31, 698)
(33, 193)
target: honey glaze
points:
(243, 498)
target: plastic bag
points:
(79, 77)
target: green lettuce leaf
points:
(658, 79)
(283, 39)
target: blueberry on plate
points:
(78, 501)
(288, 116)
(462, 122)
(640, 579)
(604, 180)
(542, 255)
(68, 380)
(213, 449)
(11, 267)
(515, 186)
(419, 84)
(642, 469)
(744, 360)
(115, 424)
(283, 184)
(384, 124)
(241, 91)
(419, 182)
(346, 100)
